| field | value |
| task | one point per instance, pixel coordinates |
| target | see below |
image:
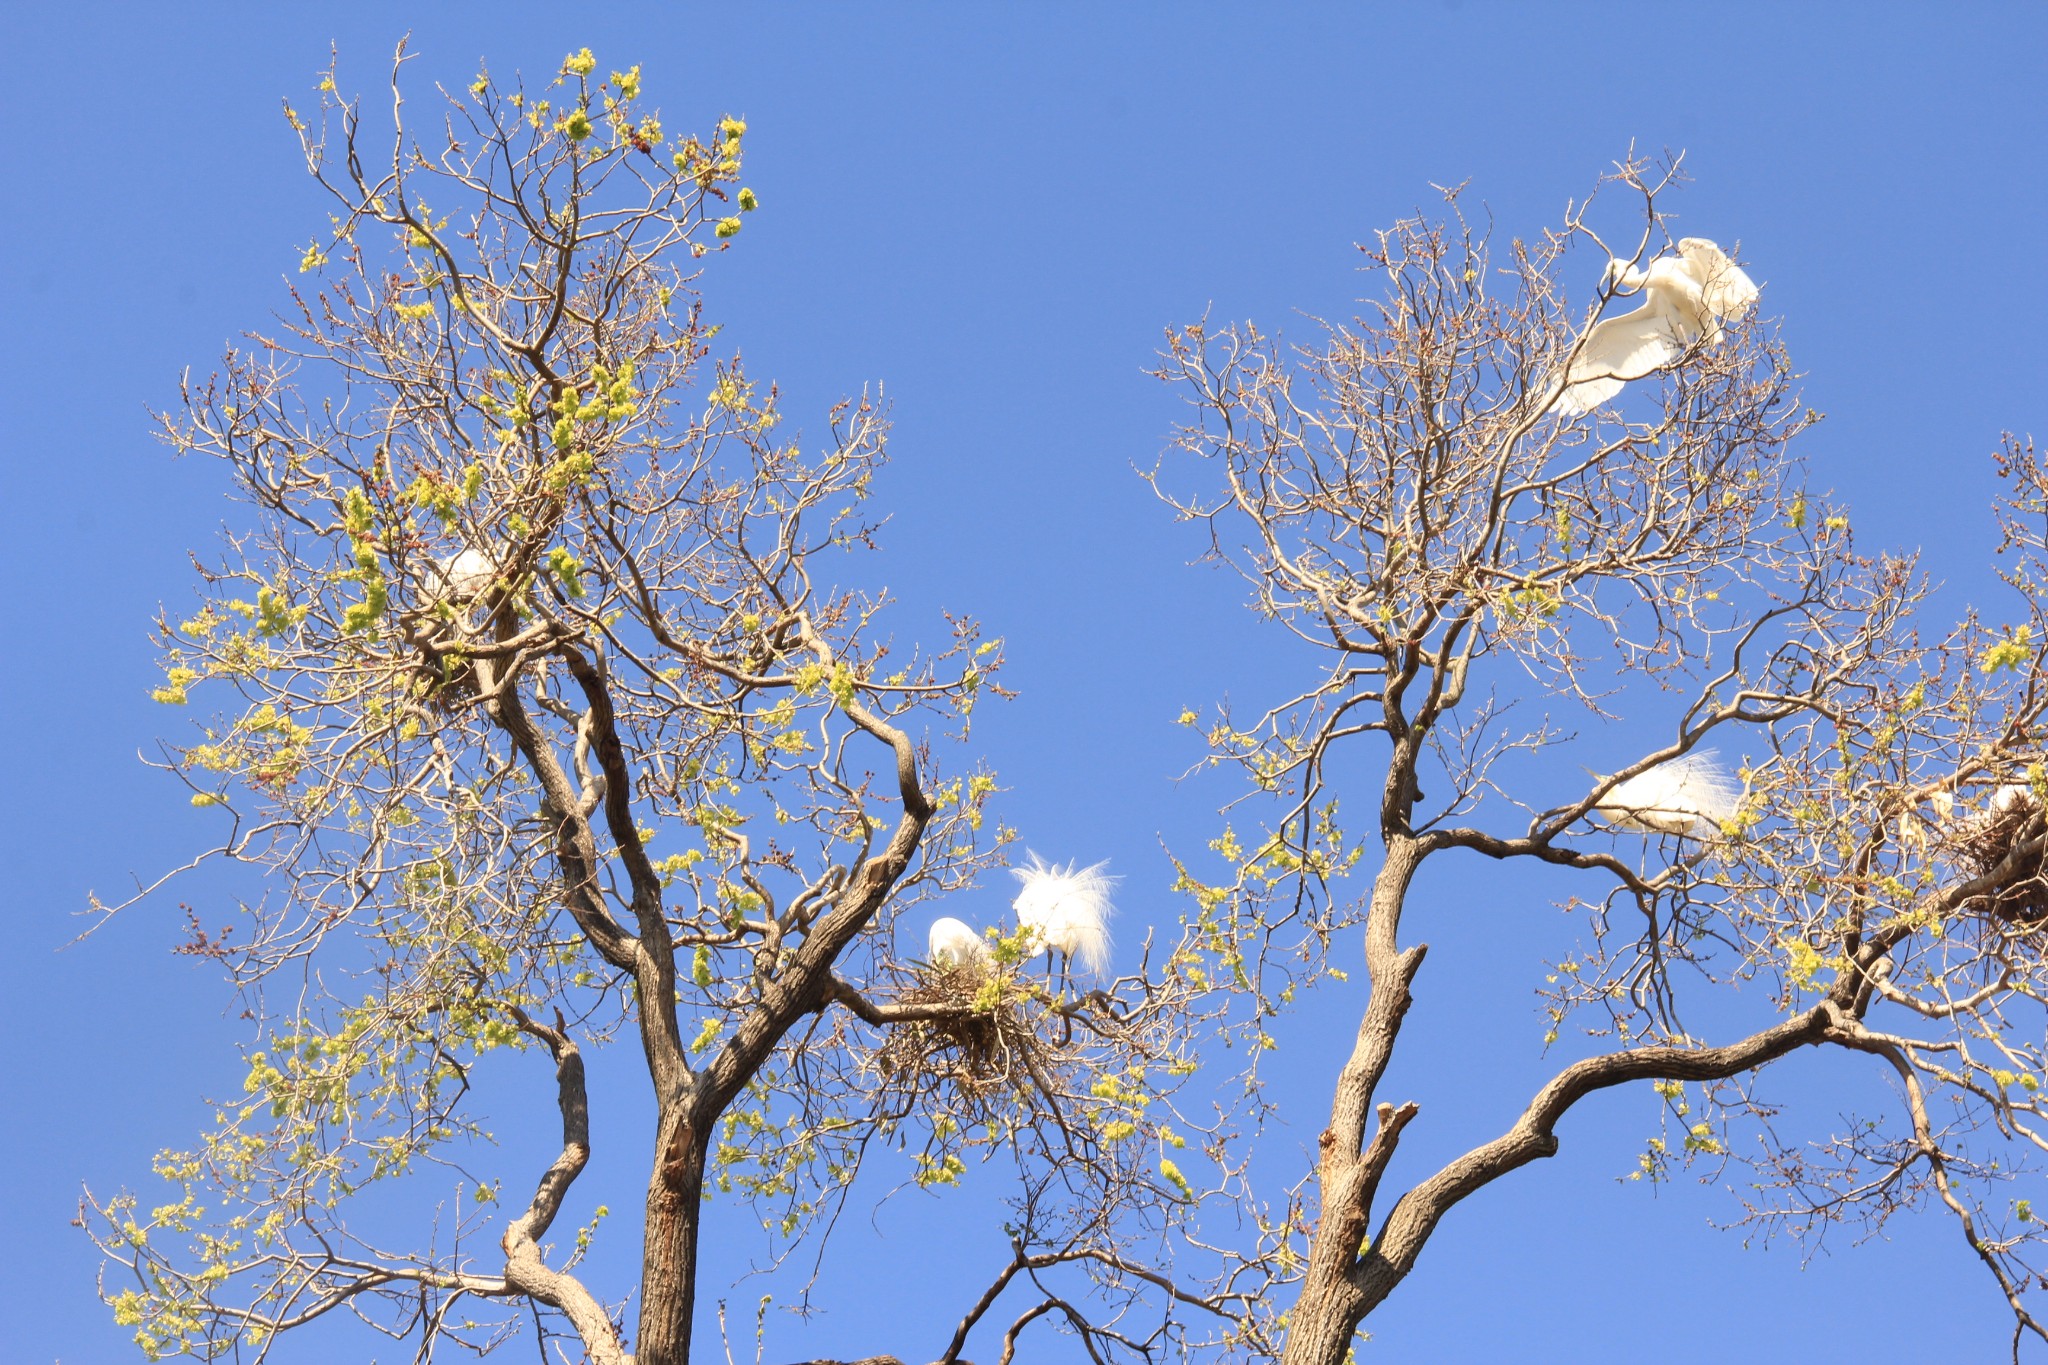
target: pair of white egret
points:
(1062, 910)
(2004, 797)
(1687, 298)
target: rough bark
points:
(1348, 1171)
(1333, 1305)
(690, 1113)
(668, 1271)
(525, 1270)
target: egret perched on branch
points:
(1689, 796)
(1066, 911)
(463, 576)
(1686, 298)
(953, 941)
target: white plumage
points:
(1066, 910)
(465, 575)
(1686, 298)
(1689, 796)
(2005, 798)
(953, 941)
(2010, 794)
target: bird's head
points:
(1620, 277)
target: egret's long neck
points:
(1624, 276)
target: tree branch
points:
(1409, 1225)
(525, 1270)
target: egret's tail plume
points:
(1067, 909)
(1691, 795)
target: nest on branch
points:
(982, 1041)
(447, 681)
(2006, 843)
(443, 677)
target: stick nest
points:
(442, 677)
(1982, 849)
(985, 1047)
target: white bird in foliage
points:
(1686, 298)
(1689, 796)
(466, 574)
(955, 942)
(2009, 795)
(1066, 910)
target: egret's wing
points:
(1616, 351)
(465, 574)
(1725, 288)
(1039, 893)
(1648, 803)
(1707, 791)
(1067, 907)
(1629, 347)
(1586, 394)
(2010, 795)
(1626, 817)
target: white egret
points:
(2009, 795)
(953, 941)
(466, 574)
(2007, 800)
(1688, 796)
(2006, 797)
(1066, 910)
(1686, 298)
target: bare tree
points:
(541, 713)
(1406, 494)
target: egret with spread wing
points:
(1686, 299)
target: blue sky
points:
(993, 211)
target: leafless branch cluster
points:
(1406, 496)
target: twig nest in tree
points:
(458, 579)
(2005, 842)
(982, 1041)
(1691, 796)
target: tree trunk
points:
(668, 1256)
(1321, 1327)
(1332, 1301)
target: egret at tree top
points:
(1686, 298)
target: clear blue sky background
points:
(994, 210)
